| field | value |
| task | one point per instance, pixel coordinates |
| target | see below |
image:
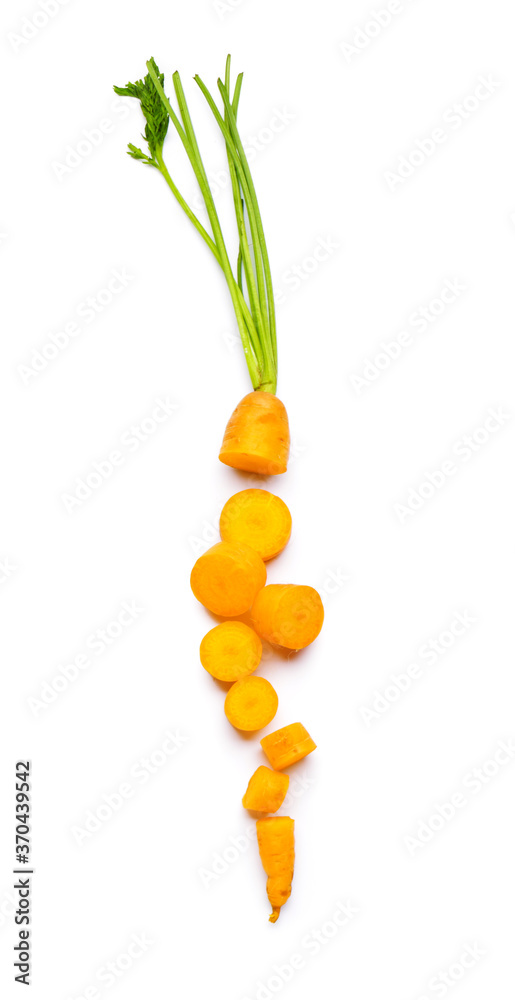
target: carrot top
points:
(251, 287)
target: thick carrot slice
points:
(227, 577)
(288, 615)
(257, 437)
(287, 745)
(266, 790)
(258, 518)
(251, 703)
(277, 851)
(230, 650)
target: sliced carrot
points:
(288, 615)
(258, 518)
(227, 577)
(287, 745)
(266, 790)
(257, 437)
(230, 650)
(251, 703)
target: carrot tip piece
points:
(275, 914)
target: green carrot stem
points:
(184, 205)
(207, 239)
(233, 155)
(244, 250)
(187, 135)
(255, 205)
(255, 317)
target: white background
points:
(169, 333)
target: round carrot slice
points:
(251, 703)
(288, 615)
(230, 650)
(258, 518)
(227, 577)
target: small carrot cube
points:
(287, 745)
(266, 790)
(258, 518)
(251, 703)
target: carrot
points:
(251, 703)
(287, 745)
(258, 518)
(277, 851)
(257, 437)
(230, 650)
(288, 615)
(227, 577)
(266, 790)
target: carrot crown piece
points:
(250, 285)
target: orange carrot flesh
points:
(287, 745)
(251, 703)
(230, 650)
(258, 518)
(227, 577)
(257, 437)
(288, 615)
(266, 790)
(275, 836)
